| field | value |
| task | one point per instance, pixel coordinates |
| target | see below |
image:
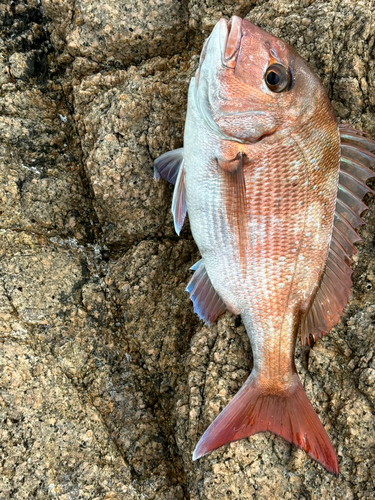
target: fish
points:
(274, 189)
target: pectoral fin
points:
(235, 202)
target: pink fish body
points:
(274, 195)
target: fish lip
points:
(232, 42)
(229, 35)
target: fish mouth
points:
(230, 35)
(232, 42)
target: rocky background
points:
(108, 379)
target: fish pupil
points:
(277, 78)
(273, 78)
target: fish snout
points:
(233, 42)
(221, 48)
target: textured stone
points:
(53, 443)
(126, 119)
(22, 65)
(118, 31)
(108, 377)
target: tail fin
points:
(288, 414)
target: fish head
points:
(252, 86)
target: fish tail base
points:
(288, 414)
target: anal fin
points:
(207, 303)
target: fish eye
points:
(277, 78)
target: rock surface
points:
(108, 378)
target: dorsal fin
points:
(168, 165)
(207, 303)
(356, 166)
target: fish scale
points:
(273, 211)
(268, 271)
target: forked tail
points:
(288, 414)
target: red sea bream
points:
(274, 188)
